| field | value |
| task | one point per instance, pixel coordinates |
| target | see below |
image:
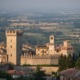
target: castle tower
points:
(14, 46)
(67, 48)
(66, 43)
(51, 45)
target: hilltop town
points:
(19, 54)
(12, 51)
(29, 43)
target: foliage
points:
(39, 74)
(62, 63)
(42, 65)
(70, 61)
(21, 78)
(4, 75)
(65, 62)
(77, 64)
(54, 74)
(10, 66)
(26, 65)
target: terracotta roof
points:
(16, 72)
(77, 78)
(71, 73)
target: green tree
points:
(10, 66)
(39, 74)
(21, 78)
(62, 62)
(4, 75)
(69, 61)
(65, 62)
(77, 64)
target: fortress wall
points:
(49, 70)
(54, 61)
(23, 60)
(39, 61)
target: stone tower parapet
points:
(14, 32)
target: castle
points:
(47, 54)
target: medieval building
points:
(46, 54)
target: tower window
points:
(11, 40)
(10, 46)
(51, 37)
(13, 31)
(11, 55)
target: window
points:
(11, 40)
(51, 37)
(10, 46)
(11, 55)
(38, 49)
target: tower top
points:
(14, 32)
(51, 36)
(66, 43)
(51, 39)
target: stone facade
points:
(51, 45)
(50, 49)
(66, 48)
(45, 55)
(40, 60)
(14, 46)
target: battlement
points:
(55, 56)
(14, 32)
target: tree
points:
(69, 61)
(5, 75)
(65, 62)
(62, 62)
(10, 66)
(39, 74)
(77, 64)
(21, 78)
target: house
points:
(16, 73)
(70, 74)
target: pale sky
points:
(39, 4)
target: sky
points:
(39, 4)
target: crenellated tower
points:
(67, 48)
(14, 46)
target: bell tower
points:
(14, 46)
(51, 45)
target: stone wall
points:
(49, 70)
(39, 61)
(30, 69)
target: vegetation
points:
(39, 74)
(62, 61)
(43, 65)
(56, 75)
(77, 64)
(4, 75)
(10, 66)
(65, 62)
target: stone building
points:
(3, 55)
(14, 46)
(50, 49)
(46, 54)
(70, 74)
